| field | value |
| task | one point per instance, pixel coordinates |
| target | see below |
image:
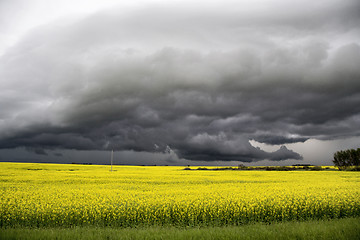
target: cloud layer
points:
(203, 80)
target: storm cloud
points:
(199, 79)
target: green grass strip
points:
(348, 228)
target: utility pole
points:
(112, 156)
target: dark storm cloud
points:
(276, 140)
(211, 148)
(37, 151)
(199, 81)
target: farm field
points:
(60, 195)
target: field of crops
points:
(45, 195)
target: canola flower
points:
(38, 195)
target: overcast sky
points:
(179, 82)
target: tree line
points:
(347, 158)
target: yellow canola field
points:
(38, 195)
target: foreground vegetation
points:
(335, 229)
(54, 195)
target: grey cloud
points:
(37, 151)
(202, 82)
(283, 153)
(219, 147)
(277, 140)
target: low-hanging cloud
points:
(198, 80)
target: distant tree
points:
(347, 158)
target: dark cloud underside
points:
(201, 81)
